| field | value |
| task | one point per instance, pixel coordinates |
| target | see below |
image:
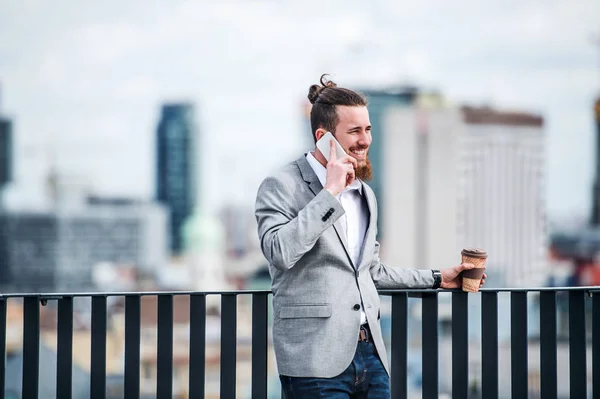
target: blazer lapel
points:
(370, 236)
(310, 177)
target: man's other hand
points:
(451, 277)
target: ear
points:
(320, 133)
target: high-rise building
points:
(501, 201)
(6, 150)
(595, 222)
(449, 177)
(417, 181)
(176, 169)
(380, 102)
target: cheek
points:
(346, 144)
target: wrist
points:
(437, 279)
(331, 191)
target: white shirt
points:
(355, 218)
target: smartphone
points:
(323, 146)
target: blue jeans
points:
(364, 378)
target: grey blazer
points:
(317, 290)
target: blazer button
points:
(329, 213)
(356, 307)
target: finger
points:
(484, 276)
(351, 160)
(466, 266)
(350, 169)
(350, 176)
(332, 154)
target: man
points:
(317, 224)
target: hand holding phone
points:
(340, 166)
(324, 144)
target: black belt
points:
(364, 334)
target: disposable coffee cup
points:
(471, 279)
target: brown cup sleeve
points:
(476, 273)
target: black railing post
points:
(98, 355)
(489, 344)
(596, 344)
(228, 345)
(164, 369)
(577, 344)
(132, 346)
(460, 344)
(548, 345)
(31, 347)
(399, 386)
(518, 344)
(2, 346)
(64, 356)
(259, 345)
(197, 345)
(430, 358)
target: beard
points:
(364, 172)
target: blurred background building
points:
(575, 249)
(59, 251)
(595, 217)
(6, 152)
(414, 137)
(177, 167)
(502, 194)
(448, 177)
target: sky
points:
(84, 81)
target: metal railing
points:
(578, 385)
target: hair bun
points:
(313, 93)
(315, 90)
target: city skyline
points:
(84, 91)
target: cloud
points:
(93, 75)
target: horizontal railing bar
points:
(390, 292)
(590, 289)
(46, 296)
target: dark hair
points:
(324, 99)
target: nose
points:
(365, 139)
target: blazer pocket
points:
(302, 311)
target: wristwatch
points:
(437, 279)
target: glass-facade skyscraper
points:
(5, 151)
(176, 167)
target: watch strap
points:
(437, 279)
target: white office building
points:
(419, 190)
(501, 202)
(462, 177)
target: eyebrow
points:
(358, 128)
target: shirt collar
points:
(321, 173)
